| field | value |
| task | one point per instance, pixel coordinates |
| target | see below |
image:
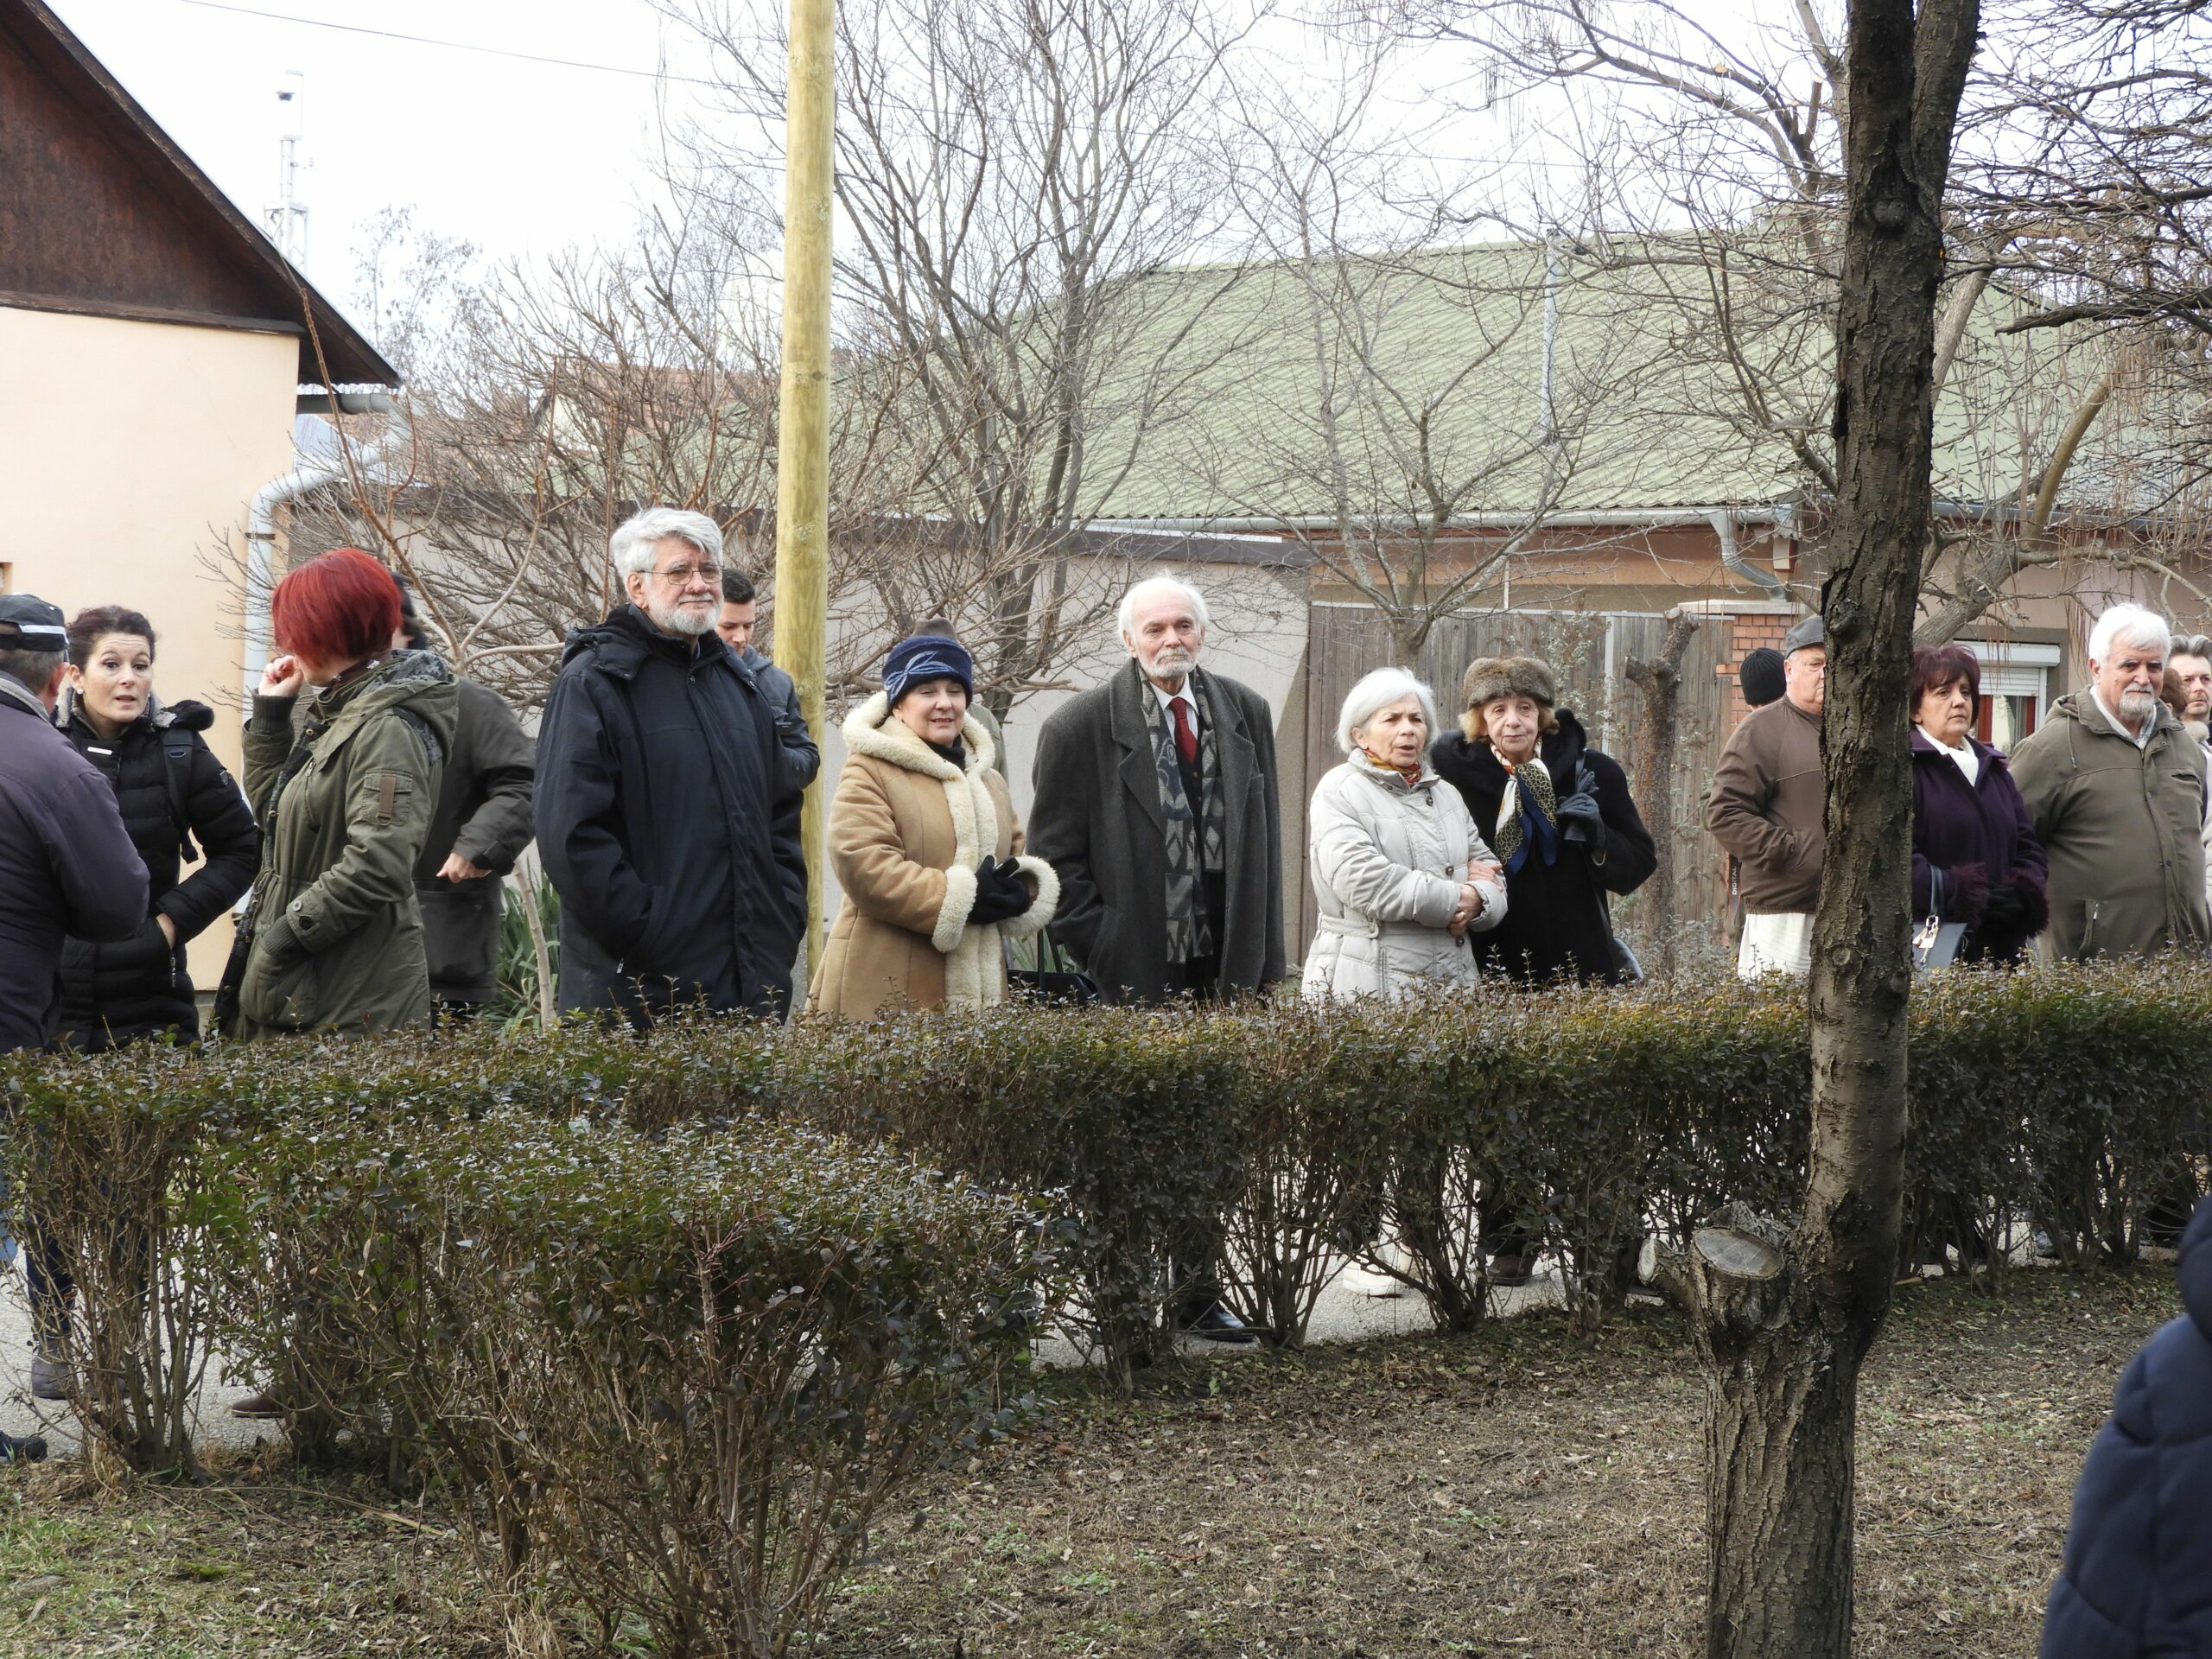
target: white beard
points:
(677, 619)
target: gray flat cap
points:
(1810, 631)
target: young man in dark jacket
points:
(2138, 1579)
(66, 864)
(740, 611)
(480, 828)
(666, 817)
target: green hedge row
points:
(665, 1380)
(664, 1318)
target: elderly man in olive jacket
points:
(2115, 785)
(1767, 809)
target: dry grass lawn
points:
(1517, 1492)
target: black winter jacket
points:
(1556, 926)
(2138, 1579)
(801, 756)
(669, 825)
(115, 993)
(483, 814)
(66, 865)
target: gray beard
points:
(2138, 705)
(676, 620)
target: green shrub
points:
(113, 1187)
(1130, 1120)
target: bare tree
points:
(1410, 409)
(1007, 170)
(545, 406)
(1730, 200)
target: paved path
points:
(1345, 1313)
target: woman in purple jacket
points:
(1976, 858)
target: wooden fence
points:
(1590, 653)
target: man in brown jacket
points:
(1767, 808)
(2116, 787)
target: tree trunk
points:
(1660, 681)
(1785, 1318)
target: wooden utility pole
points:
(803, 436)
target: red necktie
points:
(1187, 735)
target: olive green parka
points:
(352, 776)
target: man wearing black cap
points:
(67, 863)
(1768, 808)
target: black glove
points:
(1000, 894)
(2005, 911)
(1580, 817)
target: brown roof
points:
(101, 214)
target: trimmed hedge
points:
(664, 1318)
(664, 1378)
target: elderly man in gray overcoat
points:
(1156, 805)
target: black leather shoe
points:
(1214, 1323)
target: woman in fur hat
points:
(1557, 813)
(925, 847)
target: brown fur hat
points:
(1508, 677)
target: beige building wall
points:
(129, 452)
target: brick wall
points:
(1745, 635)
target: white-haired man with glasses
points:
(2115, 785)
(666, 817)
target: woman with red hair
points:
(344, 780)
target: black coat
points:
(1556, 923)
(801, 755)
(1978, 835)
(2138, 1579)
(669, 825)
(1097, 820)
(483, 814)
(66, 865)
(117, 992)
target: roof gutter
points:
(1625, 518)
(261, 537)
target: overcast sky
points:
(517, 157)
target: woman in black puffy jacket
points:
(178, 802)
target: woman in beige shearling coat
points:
(926, 849)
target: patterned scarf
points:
(1412, 774)
(1526, 816)
(1196, 842)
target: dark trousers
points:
(1194, 1255)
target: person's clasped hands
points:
(1000, 893)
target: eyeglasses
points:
(682, 575)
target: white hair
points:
(632, 542)
(1127, 615)
(1379, 690)
(2129, 625)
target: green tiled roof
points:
(1649, 407)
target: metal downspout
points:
(1731, 556)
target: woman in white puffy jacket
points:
(1401, 873)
